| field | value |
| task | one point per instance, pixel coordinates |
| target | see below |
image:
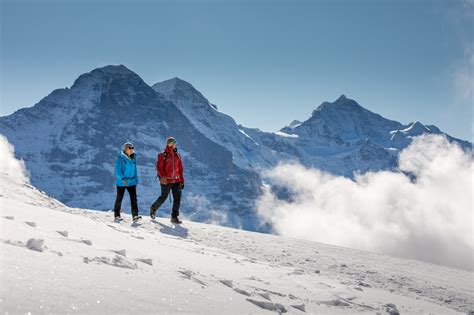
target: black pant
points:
(165, 190)
(132, 191)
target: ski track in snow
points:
(199, 268)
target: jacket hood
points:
(122, 155)
(169, 150)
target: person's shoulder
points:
(124, 157)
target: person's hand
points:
(182, 186)
(163, 181)
(125, 182)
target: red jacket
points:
(170, 166)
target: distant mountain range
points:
(69, 141)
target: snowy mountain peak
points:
(341, 98)
(342, 103)
(174, 86)
(106, 75)
(168, 87)
(416, 128)
(176, 90)
(114, 69)
(295, 123)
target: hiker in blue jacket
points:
(127, 179)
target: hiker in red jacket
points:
(170, 171)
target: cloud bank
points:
(9, 165)
(428, 218)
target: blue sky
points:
(264, 63)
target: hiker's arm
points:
(159, 165)
(118, 169)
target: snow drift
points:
(422, 212)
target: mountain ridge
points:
(69, 140)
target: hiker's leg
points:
(118, 200)
(132, 191)
(165, 190)
(176, 189)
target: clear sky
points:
(264, 63)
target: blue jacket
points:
(126, 169)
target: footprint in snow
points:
(117, 229)
(271, 292)
(63, 233)
(230, 284)
(391, 309)
(35, 244)
(242, 291)
(297, 272)
(121, 252)
(259, 280)
(191, 275)
(136, 224)
(32, 224)
(147, 261)
(275, 307)
(31, 244)
(265, 295)
(300, 307)
(117, 261)
(9, 217)
(12, 242)
(88, 242)
(363, 284)
(336, 302)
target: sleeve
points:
(118, 168)
(181, 169)
(159, 165)
(136, 169)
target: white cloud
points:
(464, 77)
(9, 165)
(204, 211)
(429, 219)
(461, 16)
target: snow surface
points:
(243, 132)
(285, 135)
(78, 261)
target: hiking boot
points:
(175, 220)
(152, 213)
(118, 219)
(137, 218)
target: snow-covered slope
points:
(56, 259)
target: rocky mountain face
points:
(344, 138)
(216, 125)
(69, 141)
